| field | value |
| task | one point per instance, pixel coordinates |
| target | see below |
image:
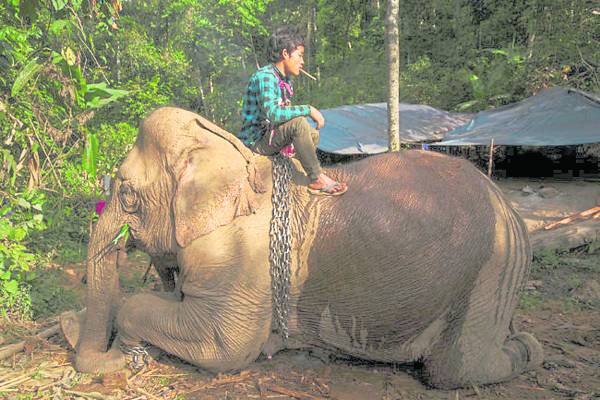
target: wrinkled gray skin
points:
(422, 259)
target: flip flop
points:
(326, 191)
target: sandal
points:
(329, 190)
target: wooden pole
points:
(491, 159)
(393, 55)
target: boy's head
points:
(284, 38)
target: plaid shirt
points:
(263, 106)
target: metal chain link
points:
(137, 356)
(280, 244)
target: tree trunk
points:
(393, 55)
(118, 62)
(202, 100)
(254, 52)
(308, 48)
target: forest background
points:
(77, 76)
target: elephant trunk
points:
(102, 293)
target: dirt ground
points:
(542, 201)
(560, 306)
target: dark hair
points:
(285, 37)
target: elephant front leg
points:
(217, 332)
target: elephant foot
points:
(100, 363)
(70, 324)
(526, 352)
(520, 352)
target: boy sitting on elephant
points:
(271, 124)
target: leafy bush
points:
(496, 77)
(19, 217)
(49, 296)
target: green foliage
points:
(98, 95)
(530, 301)
(19, 217)
(146, 96)
(26, 74)
(50, 141)
(488, 53)
(496, 78)
(49, 296)
(90, 155)
(116, 139)
(132, 282)
(122, 234)
(546, 260)
(64, 242)
(419, 83)
(560, 276)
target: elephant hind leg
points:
(519, 353)
(477, 347)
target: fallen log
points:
(590, 212)
(11, 349)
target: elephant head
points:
(183, 178)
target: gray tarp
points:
(554, 117)
(362, 129)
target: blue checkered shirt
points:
(262, 107)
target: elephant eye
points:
(128, 198)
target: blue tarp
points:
(362, 129)
(554, 117)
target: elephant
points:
(423, 259)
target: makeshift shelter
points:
(554, 117)
(362, 129)
(555, 133)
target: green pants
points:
(304, 137)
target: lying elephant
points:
(422, 259)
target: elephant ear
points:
(253, 175)
(213, 188)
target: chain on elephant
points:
(280, 244)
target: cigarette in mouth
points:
(307, 74)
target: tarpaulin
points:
(362, 129)
(554, 117)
